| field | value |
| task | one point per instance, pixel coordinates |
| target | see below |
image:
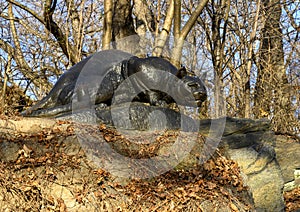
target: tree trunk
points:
(122, 27)
(247, 98)
(219, 13)
(144, 17)
(5, 80)
(272, 97)
(107, 24)
(161, 39)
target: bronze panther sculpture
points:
(116, 66)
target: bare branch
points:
(32, 12)
(47, 20)
(192, 20)
(290, 15)
(16, 52)
(61, 38)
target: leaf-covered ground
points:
(292, 200)
(47, 170)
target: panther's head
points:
(194, 85)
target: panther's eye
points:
(193, 84)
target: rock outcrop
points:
(267, 161)
(259, 164)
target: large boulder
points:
(248, 142)
(262, 173)
(288, 156)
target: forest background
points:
(252, 47)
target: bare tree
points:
(252, 36)
(272, 97)
(17, 54)
(55, 33)
(181, 34)
(216, 29)
(122, 25)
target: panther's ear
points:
(132, 59)
(129, 66)
(181, 72)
